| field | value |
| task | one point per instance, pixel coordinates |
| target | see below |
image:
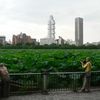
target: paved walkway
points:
(95, 95)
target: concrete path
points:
(95, 95)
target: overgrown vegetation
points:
(34, 60)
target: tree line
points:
(52, 46)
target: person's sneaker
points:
(88, 91)
(83, 90)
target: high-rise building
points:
(50, 39)
(79, 31)
(51, 27)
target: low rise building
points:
(48, 41)
(2, 40)
(71, 42)
(60, 41)
(93, 43)
(22, 38)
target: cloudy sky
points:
(31, 17)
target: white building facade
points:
(47, 41)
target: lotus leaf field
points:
(34, 60)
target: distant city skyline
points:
(31, 17)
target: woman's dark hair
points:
(84, 62)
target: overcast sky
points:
(31, 17)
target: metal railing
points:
(21, 83)
(44, 82)
(71, 80)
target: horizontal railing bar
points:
(25, 74)
(95, 71)
(73, 72)
(52, 73)
(65, 72)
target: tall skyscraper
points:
(50, 39)
(51, 28)
(79, 31)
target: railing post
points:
(75, 82)
(45, 74)
(0, 89)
